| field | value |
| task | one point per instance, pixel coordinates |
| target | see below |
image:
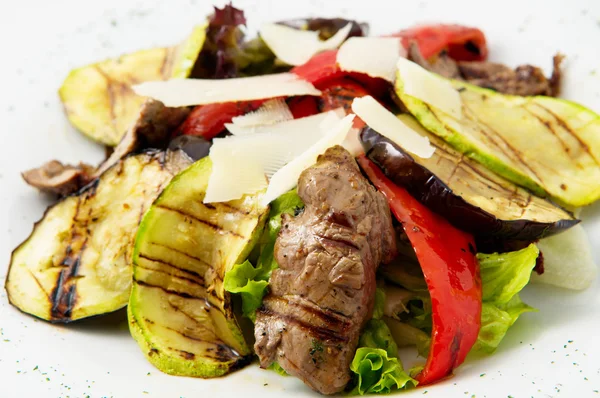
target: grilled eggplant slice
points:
(98, 99)
(76, 262)
(467, 194)
(179, 312)
(547, 145)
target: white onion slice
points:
(374, 56)
(287, 177)
(188, 92)
(568, 260)
(388, 125)
(429, 88)
(294, 46)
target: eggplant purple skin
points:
(428, 189)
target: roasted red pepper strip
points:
(339, 93)
(209, 120)
(321, 67)
(447, 257)
(303, 106)
(463, 43)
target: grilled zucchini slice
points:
(76, 262)
(98, 99)
(547, 145)
(179, 312)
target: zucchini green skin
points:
(549, 146)
(179, 312)
(76, 262)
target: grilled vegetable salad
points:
(314, 197)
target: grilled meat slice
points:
(524, 80)
(323, 291)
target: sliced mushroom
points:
(442, 64)
(56, 178)
(151, 129)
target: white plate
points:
(551, 353)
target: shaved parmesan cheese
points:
(229, 181)
(429, 88)
(241, 163)
(271, 112)
(352, 142)
(287, 177)
(187, 92)
(568, 260)
(374, 56)
(297, 129)
(388, 125)
(294, 46)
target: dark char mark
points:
(213, 226)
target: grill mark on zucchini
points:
(549, 127)
(37, 282)
(162, 262)
(194, 281)
(187, 336)
(182, 253)
(464, 107)
(168, 291)
(197, 322)
(110, 95)
(63, 296)
(216, 227)
(472, 116)
(234, 209)
(185, 354)
(568, 129)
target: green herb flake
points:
(317, 346)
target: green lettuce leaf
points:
(503, 276)
(420, 311)
(376, 334)
(376, 366)
(288, 203)
(495, 322)
(276, 367)
(408, 335)
(376, 372)
(379, 303)
(251, 282)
